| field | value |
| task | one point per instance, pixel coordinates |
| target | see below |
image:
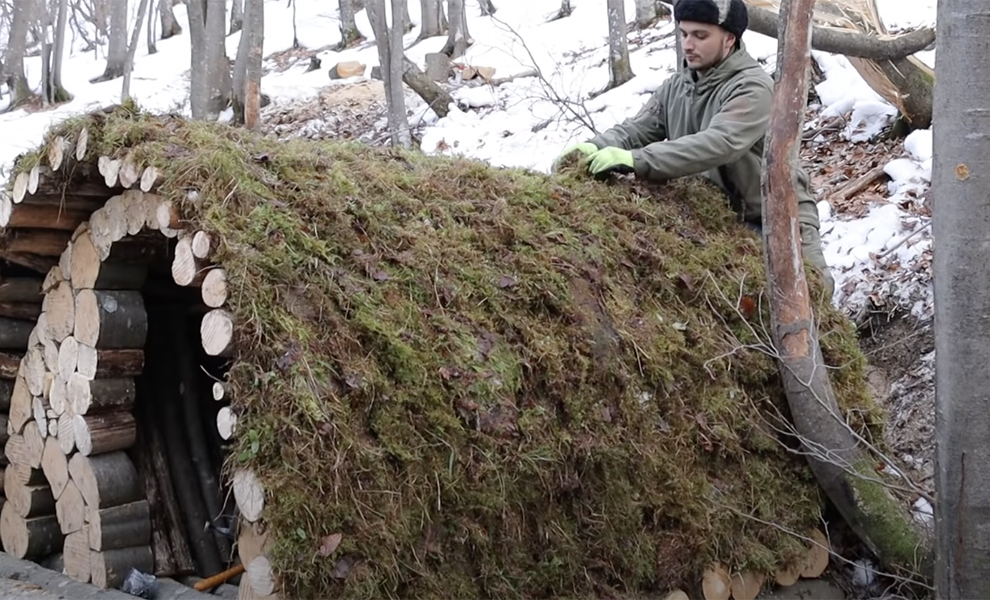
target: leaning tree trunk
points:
(433, 22)
(618, 47)
(458, 38)
(117, 50)
(20, 92)
(349, 33)
(961, 180)
(438, 98)
(125, 92)
(170, 25)
(846, 474)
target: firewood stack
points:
(74, 425)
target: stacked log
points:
(20, 308)
(77, 426)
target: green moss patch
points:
(491, 382)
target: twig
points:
(902, 242)
(857, 185)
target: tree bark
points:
(848, 43)
(117, 49)
(150, 33)
(844, 472)
(458, 37)
(618, 47)
(20, 92)
(56, 91)
(564, 11)
(256, 29)
(961, 172)
(125, 93)
(433, 22)
(435, 96)
(236, 16)
(349, 33)
(170, 25)
(487, 7)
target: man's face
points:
(705, 45)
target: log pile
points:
(82, 332)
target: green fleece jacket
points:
(712, 124)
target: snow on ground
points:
(526, 122)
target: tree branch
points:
(859, 45)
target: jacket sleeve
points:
(740, 123)
(648, 126)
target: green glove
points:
(585, 148)
(610, 158)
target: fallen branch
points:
(857, 185)
(859, 45)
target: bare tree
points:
(487, 7)
(433, 21)
(618, 47)
(564, 11)
(458, 37)
(125, 92)
(55, 91)
(20, 92)
(961, 182)
(390, 56)
(170, 25)
(236, 15)
(117, 49)
(649, 12)
(151, 32)
(247, 68)
(210, 85)
(348, 27)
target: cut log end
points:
(746, 585)
(217, 332)
(249, 495)
(818, 555)
(715, 583)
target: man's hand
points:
(585, 148)
(608, 159)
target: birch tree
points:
(961, 186)
(390, 56)
(433, 22)
(618, 47)
(349, 33)
(458, 37)
(20, 92)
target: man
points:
(710, 119)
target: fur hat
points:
(730, 15)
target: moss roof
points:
(491, 382)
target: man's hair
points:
(730, 15)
